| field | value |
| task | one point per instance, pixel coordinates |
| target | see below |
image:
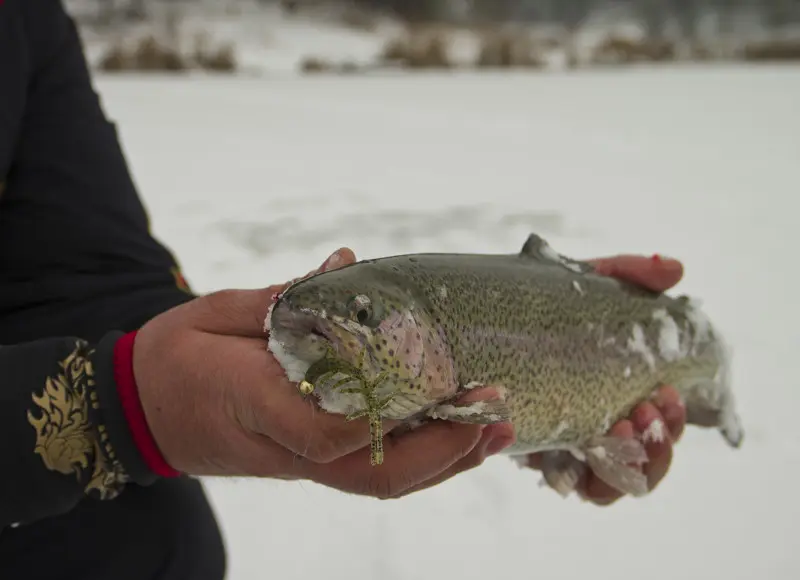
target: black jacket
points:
(78, 268)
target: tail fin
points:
(730, 424)
(710, 402)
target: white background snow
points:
(252, 181)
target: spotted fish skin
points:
(574, 351)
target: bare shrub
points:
(419, 48)
(223, 59)
(429, 51)
(148, 54)
(395, 50)
(620, 50)
(220, 59)
(507, 48)
(152, 55)
(772, 50)
(657, 50)
(615, 50)
(317, 65)
(314, 65)
(116, 59)
(701, 52)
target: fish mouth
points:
(286, 321)
(298, 338)
(303, 336)
(294, 324)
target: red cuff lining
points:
(128, 393)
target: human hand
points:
(218, 403)
(658, 275)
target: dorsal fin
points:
(533, 248)
(537, 248)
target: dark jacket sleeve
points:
(63, 430)
(71, 228)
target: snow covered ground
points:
(253, 181)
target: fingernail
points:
(659, 258)
(334, 261)
(497, 444)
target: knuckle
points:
(320, 439)
(220, 297)
(321, 450)
(334, 439)
(329, 442)
(221, 303)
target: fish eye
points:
(361, 308)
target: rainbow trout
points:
(572, 351)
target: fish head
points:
(361, 317)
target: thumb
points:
(243, 312)
(656, 273)
(234, 312)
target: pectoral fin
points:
(478, 412)
(562, 471)
(616, 461)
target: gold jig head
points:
(306, 388)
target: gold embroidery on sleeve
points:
(180, 281)
(65, 438)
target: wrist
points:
(128, 393)
(125, 422)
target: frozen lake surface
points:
(253, 181)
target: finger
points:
(410, 459)
(243, 312)
(495, 438)
(324, 438)
(652, 430)
(263, 401)
(594, 489)
(656, 273)
(339, 258)
(669, 403)
(534, 461)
